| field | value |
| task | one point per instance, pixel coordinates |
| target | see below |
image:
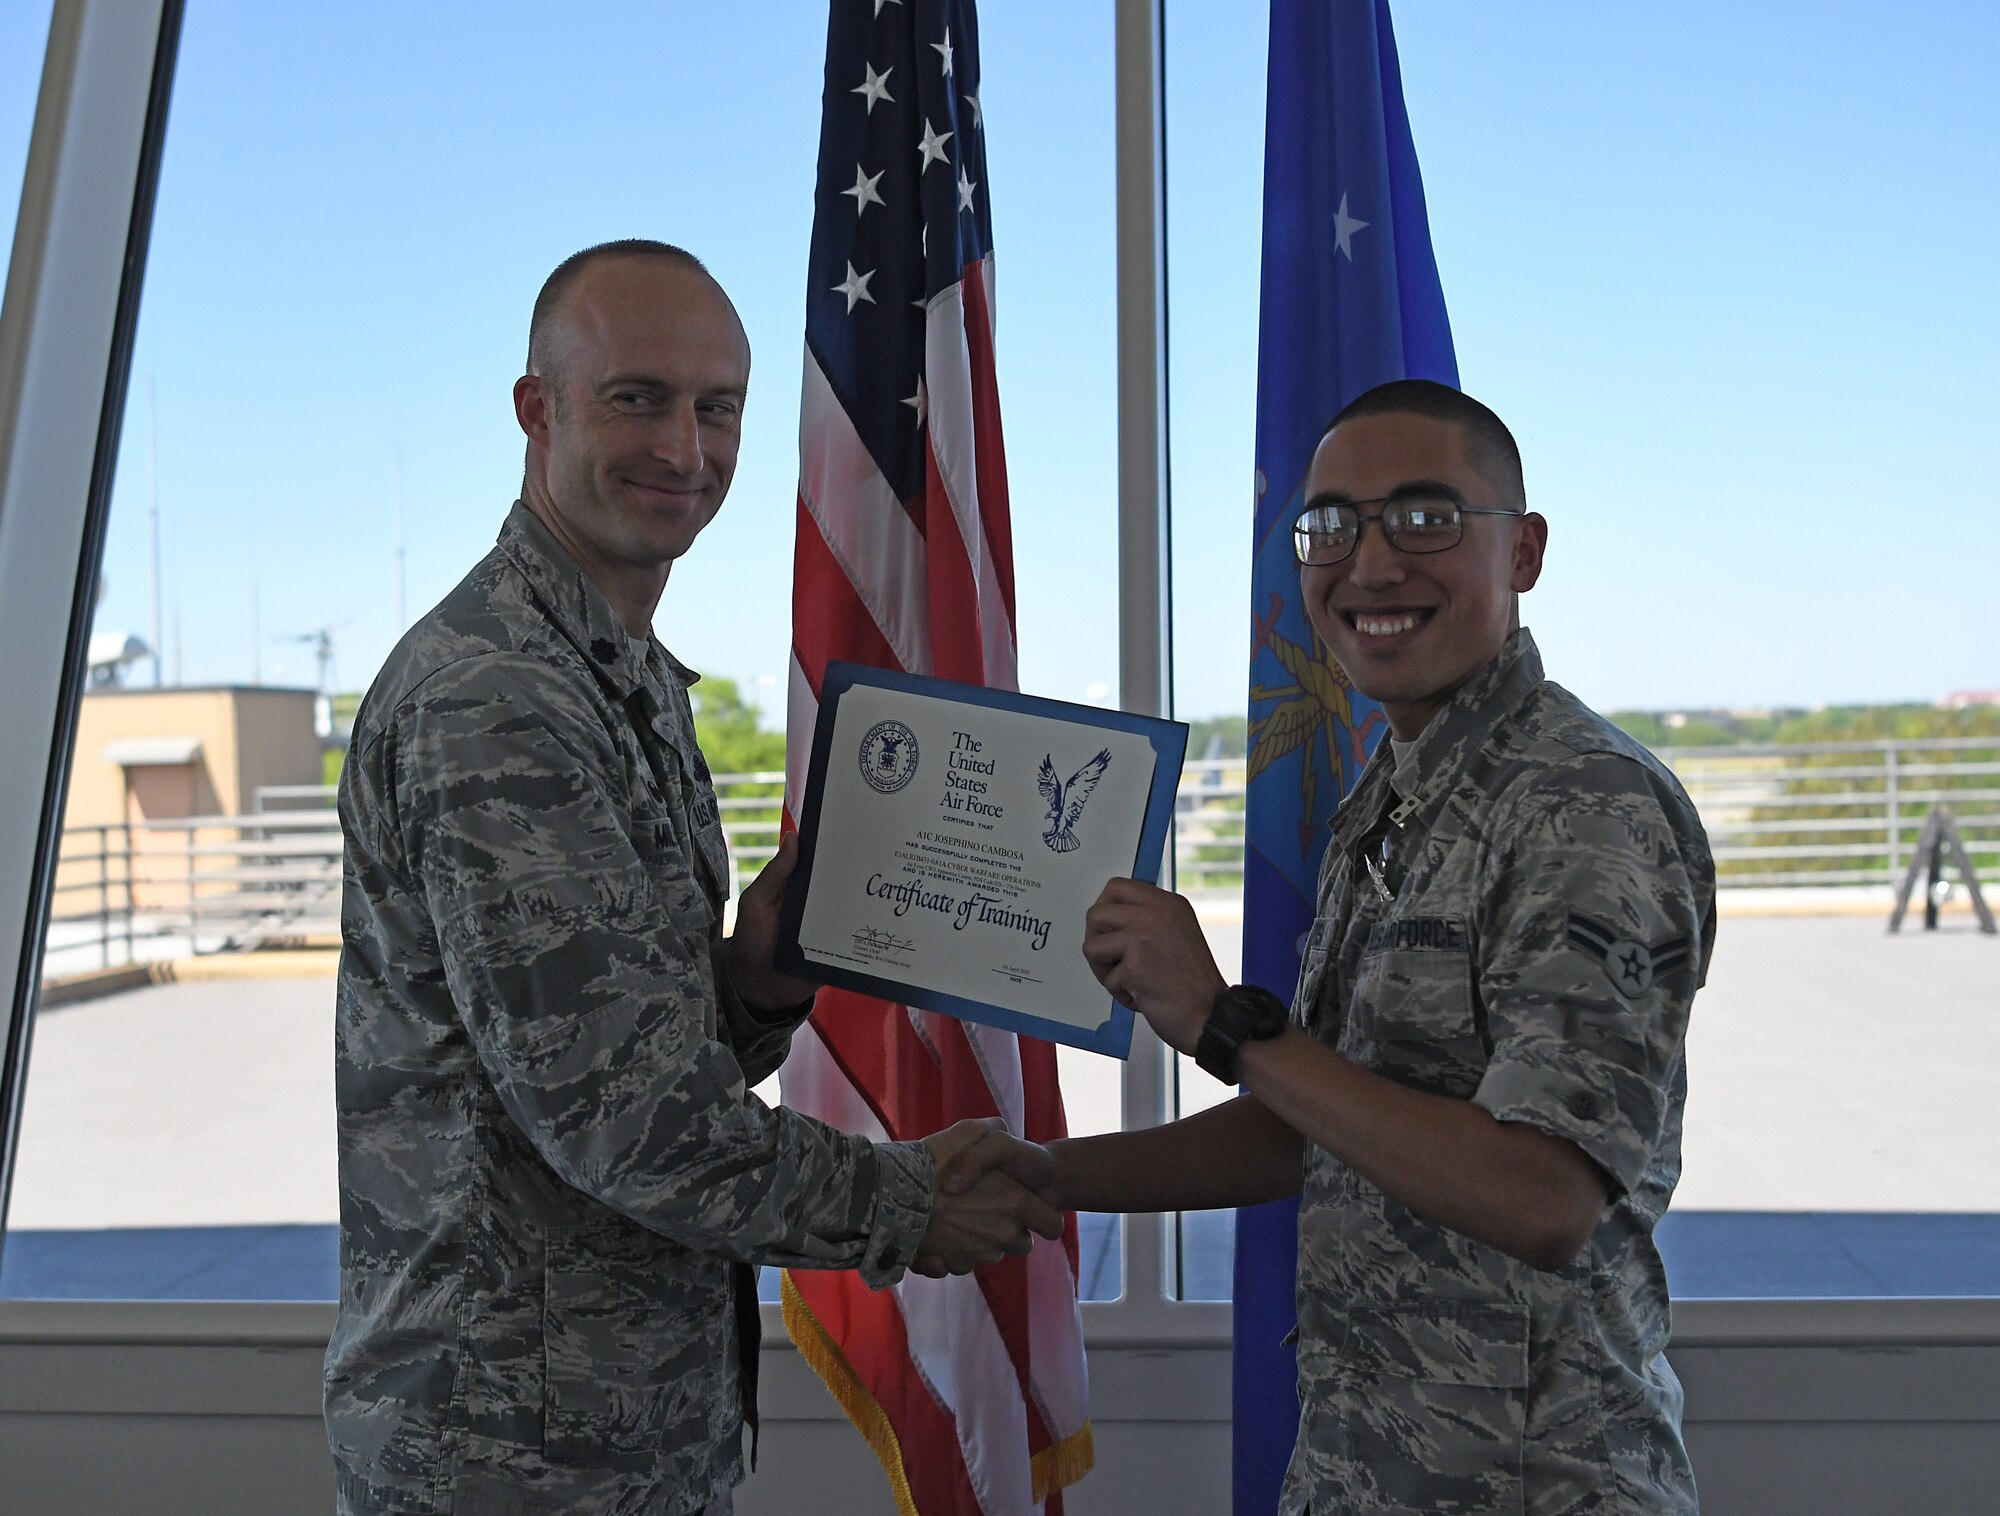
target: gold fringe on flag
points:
(1056, 1466)
(1062, 1464)
(817, 1347)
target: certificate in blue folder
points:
(952, 838)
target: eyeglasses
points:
(1415, 521)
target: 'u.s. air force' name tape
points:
(1631, 966)
(1435, 934)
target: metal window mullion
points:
(1145, 648)
(66, 333)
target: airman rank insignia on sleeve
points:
(1631, 966)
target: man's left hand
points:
(755, 939)
(1146, 947)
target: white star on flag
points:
(943, 50)
(973, 101)
(864, 192)
(932, 146)
(875, 86)
(1344, 228)
(965, 189)
(880, 3)
(920, 402)
(855, 288)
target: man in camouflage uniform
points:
(1479, 1090)
(555, 1183)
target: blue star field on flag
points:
(900, 210)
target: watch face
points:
(1259, 1012)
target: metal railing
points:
(126, 892)
(1799, 814)
(1827, 813)
(1839, 813)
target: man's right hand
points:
(986, 1203)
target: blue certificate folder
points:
(952, 837)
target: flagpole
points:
(1145, 622)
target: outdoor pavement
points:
(1842, 1126)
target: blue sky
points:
(1726, 269)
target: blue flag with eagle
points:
(1350, 299)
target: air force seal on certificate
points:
(888, 756)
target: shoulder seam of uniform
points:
(416, 692)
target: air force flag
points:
(1350, 299)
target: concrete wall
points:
(275, 741)
(248, 737)
(1833, 1408)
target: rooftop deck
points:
(1842, 1127)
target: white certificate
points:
(952, 838)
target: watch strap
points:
(1241, 1013)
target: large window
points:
(353, 216)
(1756, 444)
(1733, 300)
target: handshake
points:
(994, 1194)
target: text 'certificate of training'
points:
(952, 838)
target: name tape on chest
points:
(1630, 965)
(1422, 934)
(707, 812)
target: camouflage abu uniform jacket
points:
(551, 1167)
(1552, 915)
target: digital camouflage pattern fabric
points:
(554, 1178)
(1518, 914)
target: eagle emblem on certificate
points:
(1066, 798)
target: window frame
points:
(66, 331)
(67, 325)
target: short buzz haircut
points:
(567, 272)
(1489, 446)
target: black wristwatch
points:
(1243, 1013)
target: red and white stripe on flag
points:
(971, 1390)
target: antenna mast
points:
(153, 519)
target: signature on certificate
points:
(876, 942)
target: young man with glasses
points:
(1477, 1090)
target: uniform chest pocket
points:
(671, 870)
(1413, 1014)
(1419, 1408)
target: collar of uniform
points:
(682, 672)
(577, 606)
(665, 714)
(1461, 728)
(1363, 807)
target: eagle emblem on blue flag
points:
(1066, 798)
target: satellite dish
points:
(111, 653)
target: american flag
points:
(971, 1390)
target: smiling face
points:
(634, 419)
(1409, 628)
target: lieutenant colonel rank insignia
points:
(1630, 966)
